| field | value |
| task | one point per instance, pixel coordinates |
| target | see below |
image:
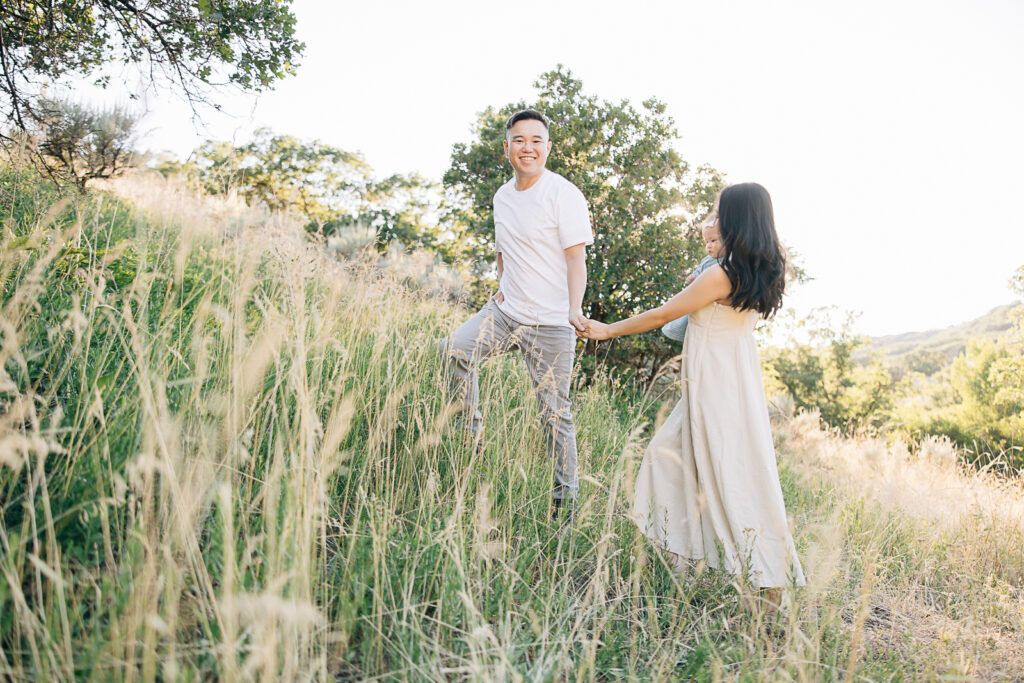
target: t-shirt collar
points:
(541, 179)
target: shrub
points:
(82, 142)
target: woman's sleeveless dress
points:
(709, 487)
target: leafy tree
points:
(322, 183)
(978, 400)
(820, 374)
(333, 190)
(645, 204)
(1008, 371)
(194, 44)
(975, 378)
(83, 142)
(1017, 281)
(986, 410)
(403, 208)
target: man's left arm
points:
(576, 273)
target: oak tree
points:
(194, 44)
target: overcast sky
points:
(888, 133)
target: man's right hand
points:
(578, 321)
(499, 297)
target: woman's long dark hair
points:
(754, 259)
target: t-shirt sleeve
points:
(573, 218)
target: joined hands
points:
(591, 329)
(584, 327)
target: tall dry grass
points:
(226, 454)
(944, 541)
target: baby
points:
(676, 329)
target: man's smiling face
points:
(527, 147)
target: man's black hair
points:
(525, 115)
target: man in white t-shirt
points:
(541, 229)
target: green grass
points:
(223, 455)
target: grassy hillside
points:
(224, 454)
(949, 341)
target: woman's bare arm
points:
(711, 285)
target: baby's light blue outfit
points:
(676, 329)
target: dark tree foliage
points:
(645, 203)
(195, 44)
(401, 208)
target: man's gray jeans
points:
(548, 350)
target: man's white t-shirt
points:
(532, 230)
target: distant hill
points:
(950, 341)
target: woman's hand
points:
(597, 331)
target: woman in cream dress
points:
(708, 487)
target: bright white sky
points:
(889, 133)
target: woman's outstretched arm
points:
(712, 285)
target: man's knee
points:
(556, 411)
(452, 354)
